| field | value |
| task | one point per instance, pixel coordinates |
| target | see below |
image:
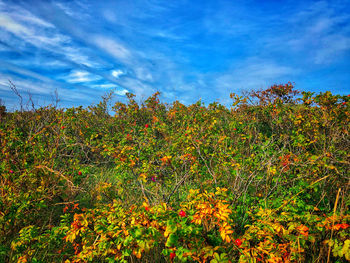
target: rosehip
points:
(11, 172)
(63, 127)
(146, 126)
(238, 242)
(172, 255)
(182, 213)
(80, 173)
(285, 255)
(344, 226)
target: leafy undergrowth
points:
(266, 180)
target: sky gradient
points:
(187, 50)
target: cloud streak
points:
(186, 49)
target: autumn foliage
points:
(266, 180)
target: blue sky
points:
(187, 50)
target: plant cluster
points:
(266, 180)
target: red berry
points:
(146, 208)
(80, 173)
(63, 127)
(238, 242)
(146, 126)
(172, 255)
(344, 226)
(234, 129)
(344, 103)
(11, 172)
(182, 213)
(186, 134)
(285, 255)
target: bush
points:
(265, 180)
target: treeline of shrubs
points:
(264, 180)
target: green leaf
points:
(172, 240)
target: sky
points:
(189, 50)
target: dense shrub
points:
(266, 180)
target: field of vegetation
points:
(266, 180)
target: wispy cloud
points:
(10, 25)
(81, 76)
(250, 74)
(24, 72)
(112, 47)
(185, 49)
(143, 73)
(43, 92)
(112, 87)
(331, 47)
(43, 36)
(324, 32)
(105, 86)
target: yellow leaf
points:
(166, 233)
(143, 177)
(222, 234)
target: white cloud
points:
(52, 42)
(23, 71)
(143, 74)
(105, 86)
(12, 26)
(66, 9)
(109, 15)
(44, 86)
(112, 47)
(75, 9)
(321, 32)
(73, 54)
(251, 74)
(117, 73)
(320, 26)
(331, 47)
(45, 89)
(27, 17)
(42, 34)
(3, 81)
(49, 63)
(137, 87)
(25, 85)
(77, 76)
(121, 92)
